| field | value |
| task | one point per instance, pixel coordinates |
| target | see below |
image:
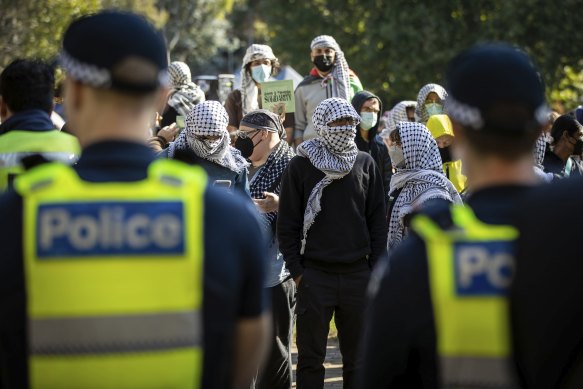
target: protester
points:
(330, 77)
(184, 94)
(258, 66)
(26, 129)
(269, 159)
(442, 131)
(438, 315)
(205, 142)
(539, 152)
(331, 230)
(403, 111)
(114, 272)
(430, 101)
(419, 177)
(567, 141)
(369, 107)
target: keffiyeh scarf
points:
(185, 94)
(249, 91)
(340, 73)
(422, 178)
(421, 112)
(396, 115)
(209, 119)
(539, 156)
(333, 152)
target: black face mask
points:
(445, 154)
(324, 62)
(245, 146)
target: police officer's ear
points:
(73, 93)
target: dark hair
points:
(28, 84)
(564, 123)
(395, 136)
(509, 132)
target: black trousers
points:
(277, 373)
(321, 295)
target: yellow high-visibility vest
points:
(114, 278)
(470, 269)
(15, 145)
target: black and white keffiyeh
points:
(333, 152)
(209, 118)
(420, 180)
(539, 155)
(421, 112)
(341, 72)
(396, 115)
(185, 94)
(249, 91)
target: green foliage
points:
(397, 46)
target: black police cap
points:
(487, 76)
(115, 50)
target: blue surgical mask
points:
(260, 73)
(434, 109)
(368, 120)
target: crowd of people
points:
(158, 240)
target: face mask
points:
(397, 156)
(260, 73)
(324, 62)
(368, 120)
(339, 139)
(434, 109)
(445, 154)
(245, 146)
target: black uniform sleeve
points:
(290, 217)
(399, 339)
(375, 213)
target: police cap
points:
(487, 82)
(115, 50)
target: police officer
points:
(112, 274)
(438, 314)
(26, 103)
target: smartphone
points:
(222, 183)
(180, 123)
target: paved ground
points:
(333, 364)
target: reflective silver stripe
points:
(13, 159)
(115, 334)
(477, 372)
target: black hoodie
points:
(374, 146)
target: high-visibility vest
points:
(470, 269)
(114, 278)
(15, 145)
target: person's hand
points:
(297, 280)
(269, 204)
(169, 132)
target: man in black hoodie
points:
(370, 107)
(331, 229)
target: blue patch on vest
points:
(90, 229)
(483, 268)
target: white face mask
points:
(260, 73)
(368, 120)
(397, 156)
(434, 109)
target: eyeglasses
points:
(245, 135)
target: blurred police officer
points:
(26, 103)
(439, 311)
(111, 275)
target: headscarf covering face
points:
(209, 119)
(420, 180)
(421, 113)
(396, 115)
(185, 94)
(333, 152)
(340, 72)
(269, 176)
(249, 91)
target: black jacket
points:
(374, 145)
(553, 164)
(400, 337)
(350, 227)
